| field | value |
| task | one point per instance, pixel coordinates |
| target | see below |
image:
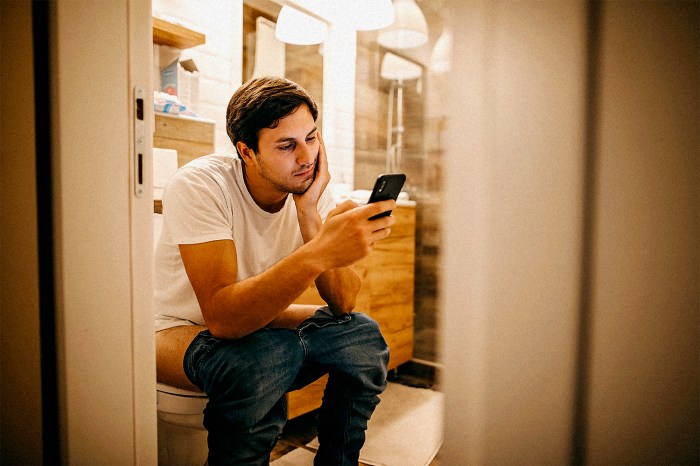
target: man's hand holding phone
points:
(348, 234)
(350, 231)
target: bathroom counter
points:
(386, 295)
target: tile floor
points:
(302, 430)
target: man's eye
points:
(287, 147)
(311, 138)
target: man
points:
(242, 239)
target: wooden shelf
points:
(174, 35)
(190, 137)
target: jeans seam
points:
(346, 436)
(309, 323)
(194, 366)
(303, 343)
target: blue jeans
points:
(246, 380)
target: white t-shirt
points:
(207, 200)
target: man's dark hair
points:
(261, 103)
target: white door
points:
(103, 232)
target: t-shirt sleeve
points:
(194, 209)
(325, 203)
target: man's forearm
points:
(235, 309)
(339, 286)
(293, 315)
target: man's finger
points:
(370, 210)
(343, 207)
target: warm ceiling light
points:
(295, 27)
(409, 28)
(306, 22)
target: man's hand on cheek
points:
(309, 199)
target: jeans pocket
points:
(202, 344)
(323, 317)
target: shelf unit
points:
(191, 137)
(174, 35)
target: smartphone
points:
(386, 187)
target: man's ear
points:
(244, 151)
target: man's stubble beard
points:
(262, 170)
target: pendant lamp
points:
(409, 28)
(306, 22)
(295, 27)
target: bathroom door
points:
(103, 232)
(571, 279)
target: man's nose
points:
(306, 155)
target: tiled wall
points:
(303, 64)
(339, 55)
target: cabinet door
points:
(191, 138)
(387, 286)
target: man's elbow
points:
(343, 307)
(224, 330)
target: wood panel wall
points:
(422, 160)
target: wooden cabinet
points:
(190, 137)
(386, 295)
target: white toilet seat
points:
(161, 387)
(178, 401)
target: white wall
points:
(339, 60)
(644, 376)
(219, 60)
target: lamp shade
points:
(396, 68)
(295, 27)
(441, 56)
(369, 15)
(409, 28)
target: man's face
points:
(287, 154)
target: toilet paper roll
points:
(164, 166)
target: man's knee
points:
(369, 331)
(369, 352)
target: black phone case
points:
(386, 187)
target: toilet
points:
(182, 438)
